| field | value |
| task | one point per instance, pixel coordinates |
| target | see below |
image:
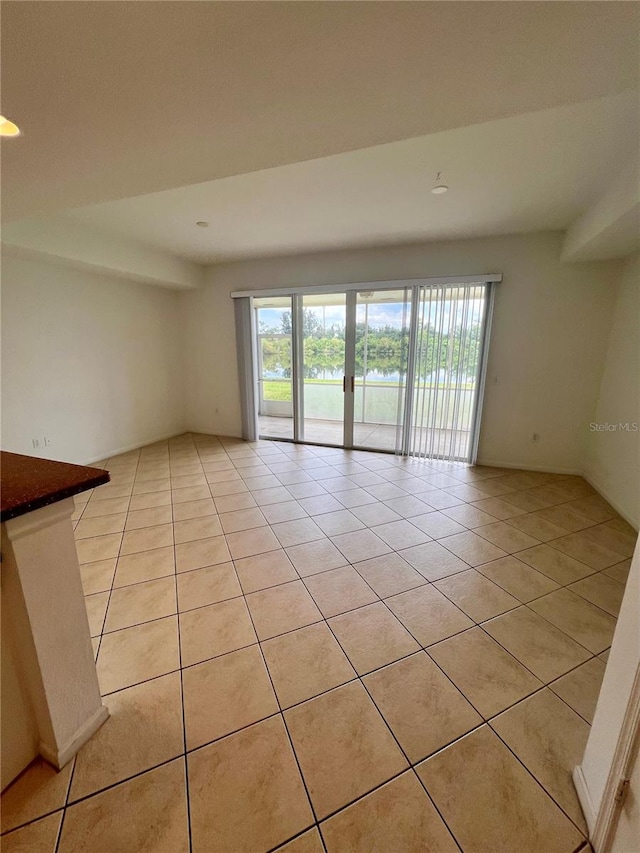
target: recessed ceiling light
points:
(202, 224)
(8, 128)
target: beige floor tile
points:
(560, 567)
(601, 590)
(145, 566)
(498, 508)
(144, 730)
(433, 561)
(141, 602)
(98, 576)
(517, 578)
(102, 548)
(619, 572)
(226, 694)
(297, 532)
(242, 519)
(108, 507)
(428, 614)
(389, 574)
(476, 595)
(471, 548)
(401, 534)
(264, 570)
(593, 507)
(201, 553)
(96, 605)
(536, 643)
(313, 557)
(421, 706)
(579, 546)
(282, 608)
(506, 536)
(151, 517)
(150, 500)
(229, 503)
(468, 516)
(306, 662)
(250, 542)
(372, 637)
(146, 539)
(308, 842)
(580, 688)
(408, 506)
(143, 487)
(319, 504)
(215, 630)
(339, 590)
(137, 654)
(536, 527)
(246, 793)
(201, 493)
(491, 803)
(360, 545)
(549, 739)
(278, 494)
(337, 522)
(285, 511)
(38, 837)
(197, 528)
(436, 524)
(564, 518)
(488, 676)
(148, 814)
(343, 746)
(584, 622)
(372, 514)
(365, 826)
(207, 586)
(38, 791)
(100, 526)
(193, 509)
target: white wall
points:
(623, 666)
(613, 457)
(549, 339)
(90, 361)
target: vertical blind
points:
(447, 368)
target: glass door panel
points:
(322, 320)
(273, 323)
(381, 357)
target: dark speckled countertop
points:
(28, 483)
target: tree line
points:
(379, 350)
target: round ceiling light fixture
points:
(202, 224)
(8, 128)
(439, 187)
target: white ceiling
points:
(120, 99)
(302, 126)
(528, 173)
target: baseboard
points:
(584, 797)
(61, 756)
(108, 454)
(612, 501)
(568, 472)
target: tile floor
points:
(308, 649)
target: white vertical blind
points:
(448, 360)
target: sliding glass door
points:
(397, 369)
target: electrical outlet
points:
(35, 442)
(47, 441)
(535, 436)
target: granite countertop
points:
(28, 483)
